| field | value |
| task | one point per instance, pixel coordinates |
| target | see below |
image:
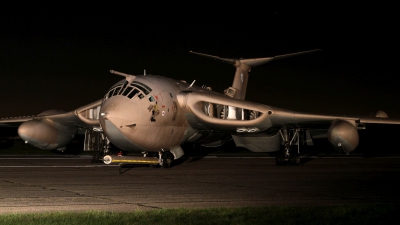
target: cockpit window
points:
(151, 98)
(110, 93)
(146, 90)
(127, 90)
(133, 93)
(123, 86)
(117, 90)
(113, 92)
(118, 84)
(130, 90)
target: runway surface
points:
(45, 184)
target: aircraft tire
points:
(294, 159)
(96, 157)
(167, 158)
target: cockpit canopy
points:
(130, 90)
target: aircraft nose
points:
(109, 111)
(118, 118)
(120, 112)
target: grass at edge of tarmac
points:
(340, 214)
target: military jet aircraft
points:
(155, 114)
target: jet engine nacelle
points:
(343, 136)
(379, 114)
(46, 134)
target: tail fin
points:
(243, 67)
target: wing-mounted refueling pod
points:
(45, 133)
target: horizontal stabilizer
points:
(255, 61)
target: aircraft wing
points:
(54, 129)
(293, 119)
(207, 110)
(261, 127)
(84, 116)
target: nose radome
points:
(25, 129)
(114, 111)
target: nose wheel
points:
(166, 158)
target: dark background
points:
(62, 61)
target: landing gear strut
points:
(288, 155)
(99, 154)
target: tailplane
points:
(243, 67)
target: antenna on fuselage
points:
(144, 73)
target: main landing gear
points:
(102, 151)
(287, 155)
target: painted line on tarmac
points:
(273, 157)
(206, 157)
(58, 166)
(40, 158)
(302, 157)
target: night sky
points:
(62, 61)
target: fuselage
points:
(144, 114)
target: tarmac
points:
(59, 183)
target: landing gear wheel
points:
(167, 159)
(96, 157)
(100, 153)
(294, 159)
(280, 158)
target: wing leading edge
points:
(85, 116)
(54, 129)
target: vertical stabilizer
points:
(240, 80)
(243, 67)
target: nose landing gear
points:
(166, 158)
